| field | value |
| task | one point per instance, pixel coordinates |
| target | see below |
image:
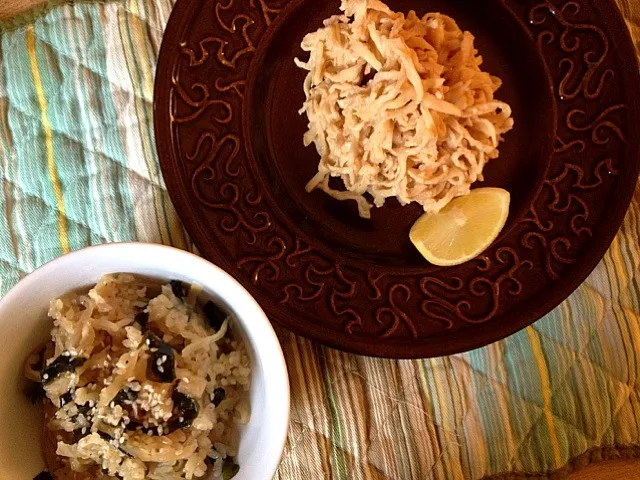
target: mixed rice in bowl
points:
(140, 380)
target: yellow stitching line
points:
(546, 392)
(48, 138)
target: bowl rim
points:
(268, 341)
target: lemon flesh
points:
(463, 229)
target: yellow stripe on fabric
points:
(620, 268)
(48, 140)
(536, 347)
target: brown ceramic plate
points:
(230, 145)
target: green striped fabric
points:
(78, 167)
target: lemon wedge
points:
(463, 229)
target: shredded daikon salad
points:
(399, 107)
(141, 382)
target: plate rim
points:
(485, 334)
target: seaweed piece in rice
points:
(229, 469)
(217, 396)
(64, 363)
(214, 314)
(177, 288)
(141, 320)
(66, 398)
(185, 406)
(135, 426)
(108, 438)
(80, 433)
(185, 411)
(125, 396)
(162, 362)
(84, 408)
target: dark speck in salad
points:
(63, 364)
(80, 433)
(214, 314)
(66, 398)
(142, 319)
(177, 288)
(83, 409)
(185, 410)
(217, 396)
(229, 469)
(125, 396)
(162, 361)
(108, 438)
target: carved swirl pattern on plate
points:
(307, 279)
(579, 51)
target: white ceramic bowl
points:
(24, 325)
